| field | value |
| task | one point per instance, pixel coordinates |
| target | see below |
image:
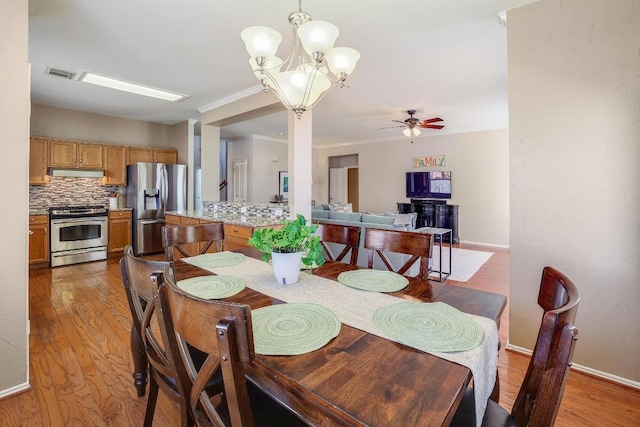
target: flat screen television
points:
(429, 185)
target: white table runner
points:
(355, 308)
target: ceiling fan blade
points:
(432, 126)
(390, 127)
(435, 119)
(398, 121)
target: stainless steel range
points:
(78, 234)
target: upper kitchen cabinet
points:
(115, 165)
(140, 154)
(72, 154)
(152, 155)
(169, 157)
(38, 161)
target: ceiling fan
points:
(412, 125)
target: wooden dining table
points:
(361, 379)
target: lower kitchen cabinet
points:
(38, 239)
(119, 230)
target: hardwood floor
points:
(80, 363)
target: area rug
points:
(465, 262)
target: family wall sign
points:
(425, 162)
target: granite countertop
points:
(235, 219)
(120, 209)
(38, 212)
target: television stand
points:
(434, 213)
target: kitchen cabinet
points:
(169, 157)
(236, 236)
(119, 230)
(38, 239)
(152, 155)
(71, 154)
(115, 165)
(38, 161)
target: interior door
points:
(338, 191)
(240, 180)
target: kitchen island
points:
(238, 226)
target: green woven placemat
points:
(432, 327)
(218, 259)
(373, 280)
(290, 329)
(212, 287)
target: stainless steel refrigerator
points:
(153, 189)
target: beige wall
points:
(574, 108)
(14, 149)
(55, 122)
(266, 157)
(479, 165)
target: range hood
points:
(77, 173)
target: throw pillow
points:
(403, 219)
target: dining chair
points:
(417, 245)
(346, 235)
(541, 392)
(228, 349)
(154, 356)
(175, 237)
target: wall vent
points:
(60, 73)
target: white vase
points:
(286, 267)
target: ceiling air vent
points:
(60, 73)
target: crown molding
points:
(231, 98)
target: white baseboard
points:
(15, 389)
(581, 368)
(491, 245)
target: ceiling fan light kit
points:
(305, 79)
(412, 125)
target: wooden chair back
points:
(343, 234)
(418, 245)
(539, 396)
(228, 348)
(152, 333)
(175, 237)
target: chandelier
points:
(300, 80)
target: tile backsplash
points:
(63, 191)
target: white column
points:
(300, 154)
(210, 158)
(191, 164)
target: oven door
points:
(78, 233)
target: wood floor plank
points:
(80, 362)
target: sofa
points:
(387, 221)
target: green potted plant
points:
(288, 246)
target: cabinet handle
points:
(30, 232)
(45, 231)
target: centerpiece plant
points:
(295, 236)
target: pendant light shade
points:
(318, 37)
(261, 41)
(342, 60)
(300, 90)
